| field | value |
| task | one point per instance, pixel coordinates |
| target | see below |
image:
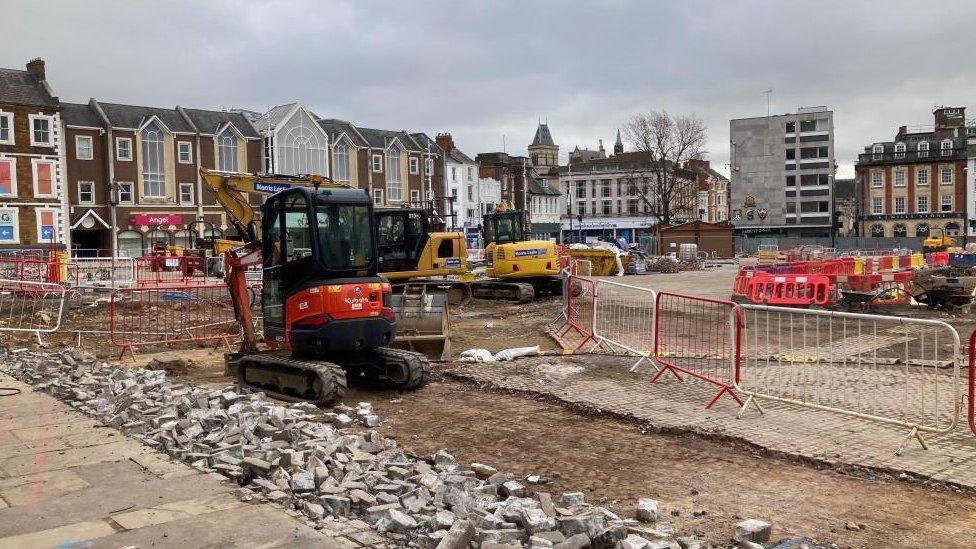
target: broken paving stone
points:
(483, 471)
(648, 510)
(572, 499)
(313, 510)
(536, 520)
(443, 520)
(589, 523)
(401, 522)
(576, 541)
(754, 530)
(513, 488)
(303, 482)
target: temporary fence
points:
(154, 316)
(623, 319)
(699, 337)
(577, 326)
(29, 306)
(101, 272)
(971, 384)
(171, 270)
(790, 290)
(894, 370)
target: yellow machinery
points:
(407, 249)
(938, 243)
(521, 268)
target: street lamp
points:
(579, 217)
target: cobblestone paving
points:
(604, 383)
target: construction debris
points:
(313, 462)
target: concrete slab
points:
(59, 537)
(31, 489)
(176, 510)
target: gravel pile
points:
(333, 466)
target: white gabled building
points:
(294, 143)
(460, 181)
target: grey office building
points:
(783, 173)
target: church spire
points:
(618, 147)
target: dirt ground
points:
(704, 485)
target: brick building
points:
(31, 154)
(917, 182)
(133, 173)
(396, 167)
(713, 191)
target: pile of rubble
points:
(316, 463)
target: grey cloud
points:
(485, 69)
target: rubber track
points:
(418, 367)
(332, 376)
(520, 292)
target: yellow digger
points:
(407, 250)
(939, 243)
(520, 268)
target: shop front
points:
(605, 229)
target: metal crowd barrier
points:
(894, 370)
(699, 337)
(971, 384)
(580, 294)
(30, 306)
(102, 272)
(154, 316)
(623, 319)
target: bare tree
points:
(669, 142)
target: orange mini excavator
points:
(325, 308)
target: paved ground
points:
(64, 480)
(604, 383)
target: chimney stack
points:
(36, 68)
(445, 141)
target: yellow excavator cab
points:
(937, 242)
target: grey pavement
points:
(67, 481)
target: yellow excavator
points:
(409, 253)
(518, 268)
(939, 243)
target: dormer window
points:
(227, 151)
(877, 151)
(153, 161)
(899, 150)
(923, 149)
(947, 147)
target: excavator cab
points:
(510, 255)
(321, 290)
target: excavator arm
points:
(232, 191)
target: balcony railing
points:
(901, 157)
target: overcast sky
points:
(481, 70)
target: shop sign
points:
(155, 219)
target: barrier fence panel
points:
(102, 272)
(895, 370)
(170, 270)
(28, 306)
(580, 294)
(699, 337)
(623, 319)
(153, 316)
(971, 393)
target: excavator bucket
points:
(422, 321)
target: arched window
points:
(947, 147)
(340, 163)
(227, 151)
(877, 230)
(952, 229)
(922, 230)
(153, 161)
(157, 237)
(182, 239)
(923, 149)
(130, 244)
(302, 148)
(900, 230)
(393, 173)
(899, 150)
